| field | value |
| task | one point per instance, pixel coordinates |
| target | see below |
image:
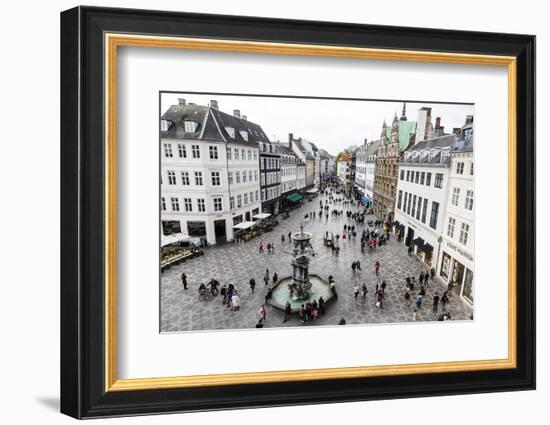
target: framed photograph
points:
(261, 212)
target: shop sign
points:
(465, 254)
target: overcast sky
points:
(332, 125)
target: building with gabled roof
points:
(210, 176)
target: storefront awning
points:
(261, 216)
(419, 242)
(178, 237)
(244, 225)
(427, 248)
(314, 190)
(295, 197)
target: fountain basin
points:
(281, 293)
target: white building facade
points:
(456, 262)
(360, 169)
(423, 179)
(210, 177)
(370, 171)
(343, 169)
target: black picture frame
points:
(82, 206)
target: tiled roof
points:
(212, 125)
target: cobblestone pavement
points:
(181, 309)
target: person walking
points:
(355, 291)
(282, 239)
(444, 300)
(415, 315)
(235, 302)
(333, 290)
(266, 277)
(288, 311)
(268, 296)
(262, 312)
(275, 278)
(435, 302)
(322, 305)
(358, 265)
(421, 279)
(377, 267)
(407, 298)
(223, 293)
(269, 248)
(364, 290)
(289, 237)
(261, 248)
(419, 301)
(184, 280)
(252, 284)
(353, 265)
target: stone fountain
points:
(302, 286)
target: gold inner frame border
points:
(113, 40)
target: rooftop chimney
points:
(438, 122)
(181, 101)
(469, 119)
(365, 142)
(244, 117)
(236, 113)
(214, 104)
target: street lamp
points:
(439, 240)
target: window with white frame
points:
(163, 203)
(250, 175)
(175, 204)
(451, 227)
(456, 196)
(228, 153)
(459, 168)
(251, 197)
(213, 152)
(201, 205)
(471, 168)
(438, 180)
(249, 154)
(196, 150)
(198, 178)
(230, 177)
(244, 135)
(244, 176)
(236, 152)
(464, 229)
(217, 203)
(469, 204)
(230, 131)
(245, 198)
(215, 178)
(168, 150)
(190, 126)
(185, 178)
(239, 201)
(231, 202)
(187, 204)
(171, 177)
(237, 176)
(182, 151)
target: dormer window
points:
(244, 135)
(190, 126)
(165, 125)
(230, 131)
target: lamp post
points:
(439, 240)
